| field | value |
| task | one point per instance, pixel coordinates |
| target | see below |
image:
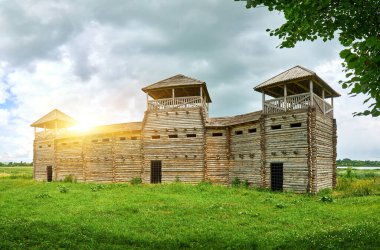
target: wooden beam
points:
(285, 95)
(311, 93)
(263, 100)
(323, 97)
(271, 92)
(173, 95)
(323, 88)
(301, 86)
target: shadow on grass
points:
(27, 234)
(364, 236)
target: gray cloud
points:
(91, 58)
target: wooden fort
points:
(290, 145)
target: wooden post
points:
(311, 94)
(35, 132)
(173, 95)
(285, 95)
(332, 106)
(201, 93)
(263, 99)
(323, 97)
(147, 101)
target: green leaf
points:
(344, 53)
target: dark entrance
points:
(276, 176)
(155, 171)
(49, 173)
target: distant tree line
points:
(357, 163)
(16, 164)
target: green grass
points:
(39, 215)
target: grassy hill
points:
(41, 215)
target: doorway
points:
(155, 171)
(49, 173)
(277, 176)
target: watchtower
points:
(297, 122)
(173, 130)
(297, 88)
(46, 130)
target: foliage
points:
(69, 178)
(327, 199)
(181, 216)
(358, 183)
(63, 189)
(97, 187)
(177, 179)
(357, 163)
(43, 196)
(356, 23)
(136, 181)
(16, 164)
(16, 172)
(236, 182)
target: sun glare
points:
(83, 127)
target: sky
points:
(90, 59)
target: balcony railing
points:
(178, 102)
(294, 102)
(50, 134)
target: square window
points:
(252, 130)
(274, 127)
(295, 125)
(217, 134)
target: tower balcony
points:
(178, 102)
(299, 101)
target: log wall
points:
(217, 151)
(305, 142)
(43, 156)
(287, 145)
(182, 156)
(245, 153)
(325, 151)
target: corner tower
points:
(46, 130)
(173, 130)
(298, 132)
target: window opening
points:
(252, 130)
(217, 134)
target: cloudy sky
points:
(91, 58)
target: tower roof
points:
(49, 120)
(189, 85)
(295, 74)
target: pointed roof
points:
(177, 81)
(49, 120)
(297, 73)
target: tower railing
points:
(294, 102)
(178, 102)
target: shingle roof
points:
(233, 120)
(290, 74)
(178, 82)
(49, 120)
(295, 73)
(174, 81)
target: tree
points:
(357, 25)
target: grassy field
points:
(39, 215)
